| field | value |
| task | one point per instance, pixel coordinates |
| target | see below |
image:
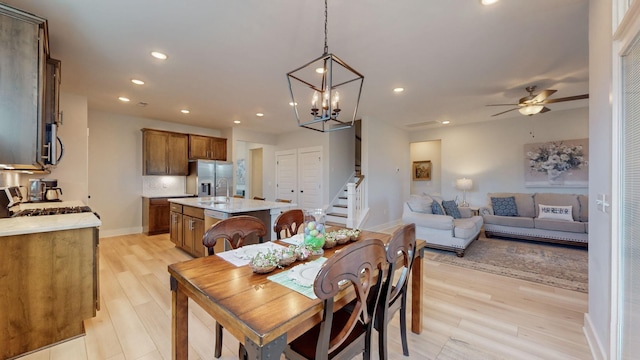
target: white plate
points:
(305, 274)
(248, 252)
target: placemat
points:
(283, 279)
(231, 256)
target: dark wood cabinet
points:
(155, 215)
(207, 148)
(52, 91)
(187, 229)
(165, 153)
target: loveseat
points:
(559, 218)
(442, 231)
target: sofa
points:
(442, 231)
(558, 218)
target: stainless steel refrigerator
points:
(210, 178)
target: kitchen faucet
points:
(226, 183)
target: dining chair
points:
(290, 222)
(258, 198)
(400, 256)
(233, 231)
(284, 201)
(343, 334)
(238, 196)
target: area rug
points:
(561, 266)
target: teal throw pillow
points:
(451, 209)
(504, 206)
(436, 208)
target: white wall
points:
(598, 320)
(115, 167)
(342, 159)
(492, 154)
(387, 168)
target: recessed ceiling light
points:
(398, 90)
(446, 122)
(185, 111)
(137, 82)
(259, 114)
(293, 104)
(236, 121)
(488, 2)
(124, 99)
(159, 55)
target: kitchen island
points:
(49, 277)
(190, 217)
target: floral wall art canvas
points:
(561, 163)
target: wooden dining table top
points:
(246, 304)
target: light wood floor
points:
(467, 314)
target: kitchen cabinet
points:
(155, 215)
(50, 286)
(25, 48)
(207, 148)
(187, 229)
(52, 91)
(165, 153)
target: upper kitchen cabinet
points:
(29, 84)
(164, 153)
(207, 147)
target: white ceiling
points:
(228, 59)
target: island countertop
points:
(38, 224)
(234, 205)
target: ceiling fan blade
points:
(500, 113)
(568, 98)
(544, 110)
(502, 105)
(542, 96)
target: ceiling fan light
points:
(530, 109)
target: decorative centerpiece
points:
(286, 256)
(329, 240)
(314, 231)
(302, 252)
(264, 262)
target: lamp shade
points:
(530, 109)
(464, 184)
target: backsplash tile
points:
(163, 185)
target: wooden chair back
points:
(234, 230)
(238, 196)
(362, 265)
(258, 198)
(290, 222)
(400, 256)
(283, 201)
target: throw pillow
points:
(451, 209)
(555, 212)
(421, 204)
(436, 208)
(504, 206)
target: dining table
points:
(262, 314)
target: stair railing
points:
(355, 202)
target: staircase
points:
(347, 209)
(337, 212)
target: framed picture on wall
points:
(557, 164)
(422, 170)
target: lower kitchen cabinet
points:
(155, 215)
(187, 229)
(50, 285)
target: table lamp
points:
(464, 184)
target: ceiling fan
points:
(534, 104)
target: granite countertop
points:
(163, 196)
(235, 205)
(38, 224)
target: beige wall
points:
(491, 153)
(115, 168)
(427, 150)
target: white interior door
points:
(286, 175)
(310, 178)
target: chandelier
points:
(314, 87)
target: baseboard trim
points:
(121, 231)
(597, 350)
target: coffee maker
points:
(40, 188)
